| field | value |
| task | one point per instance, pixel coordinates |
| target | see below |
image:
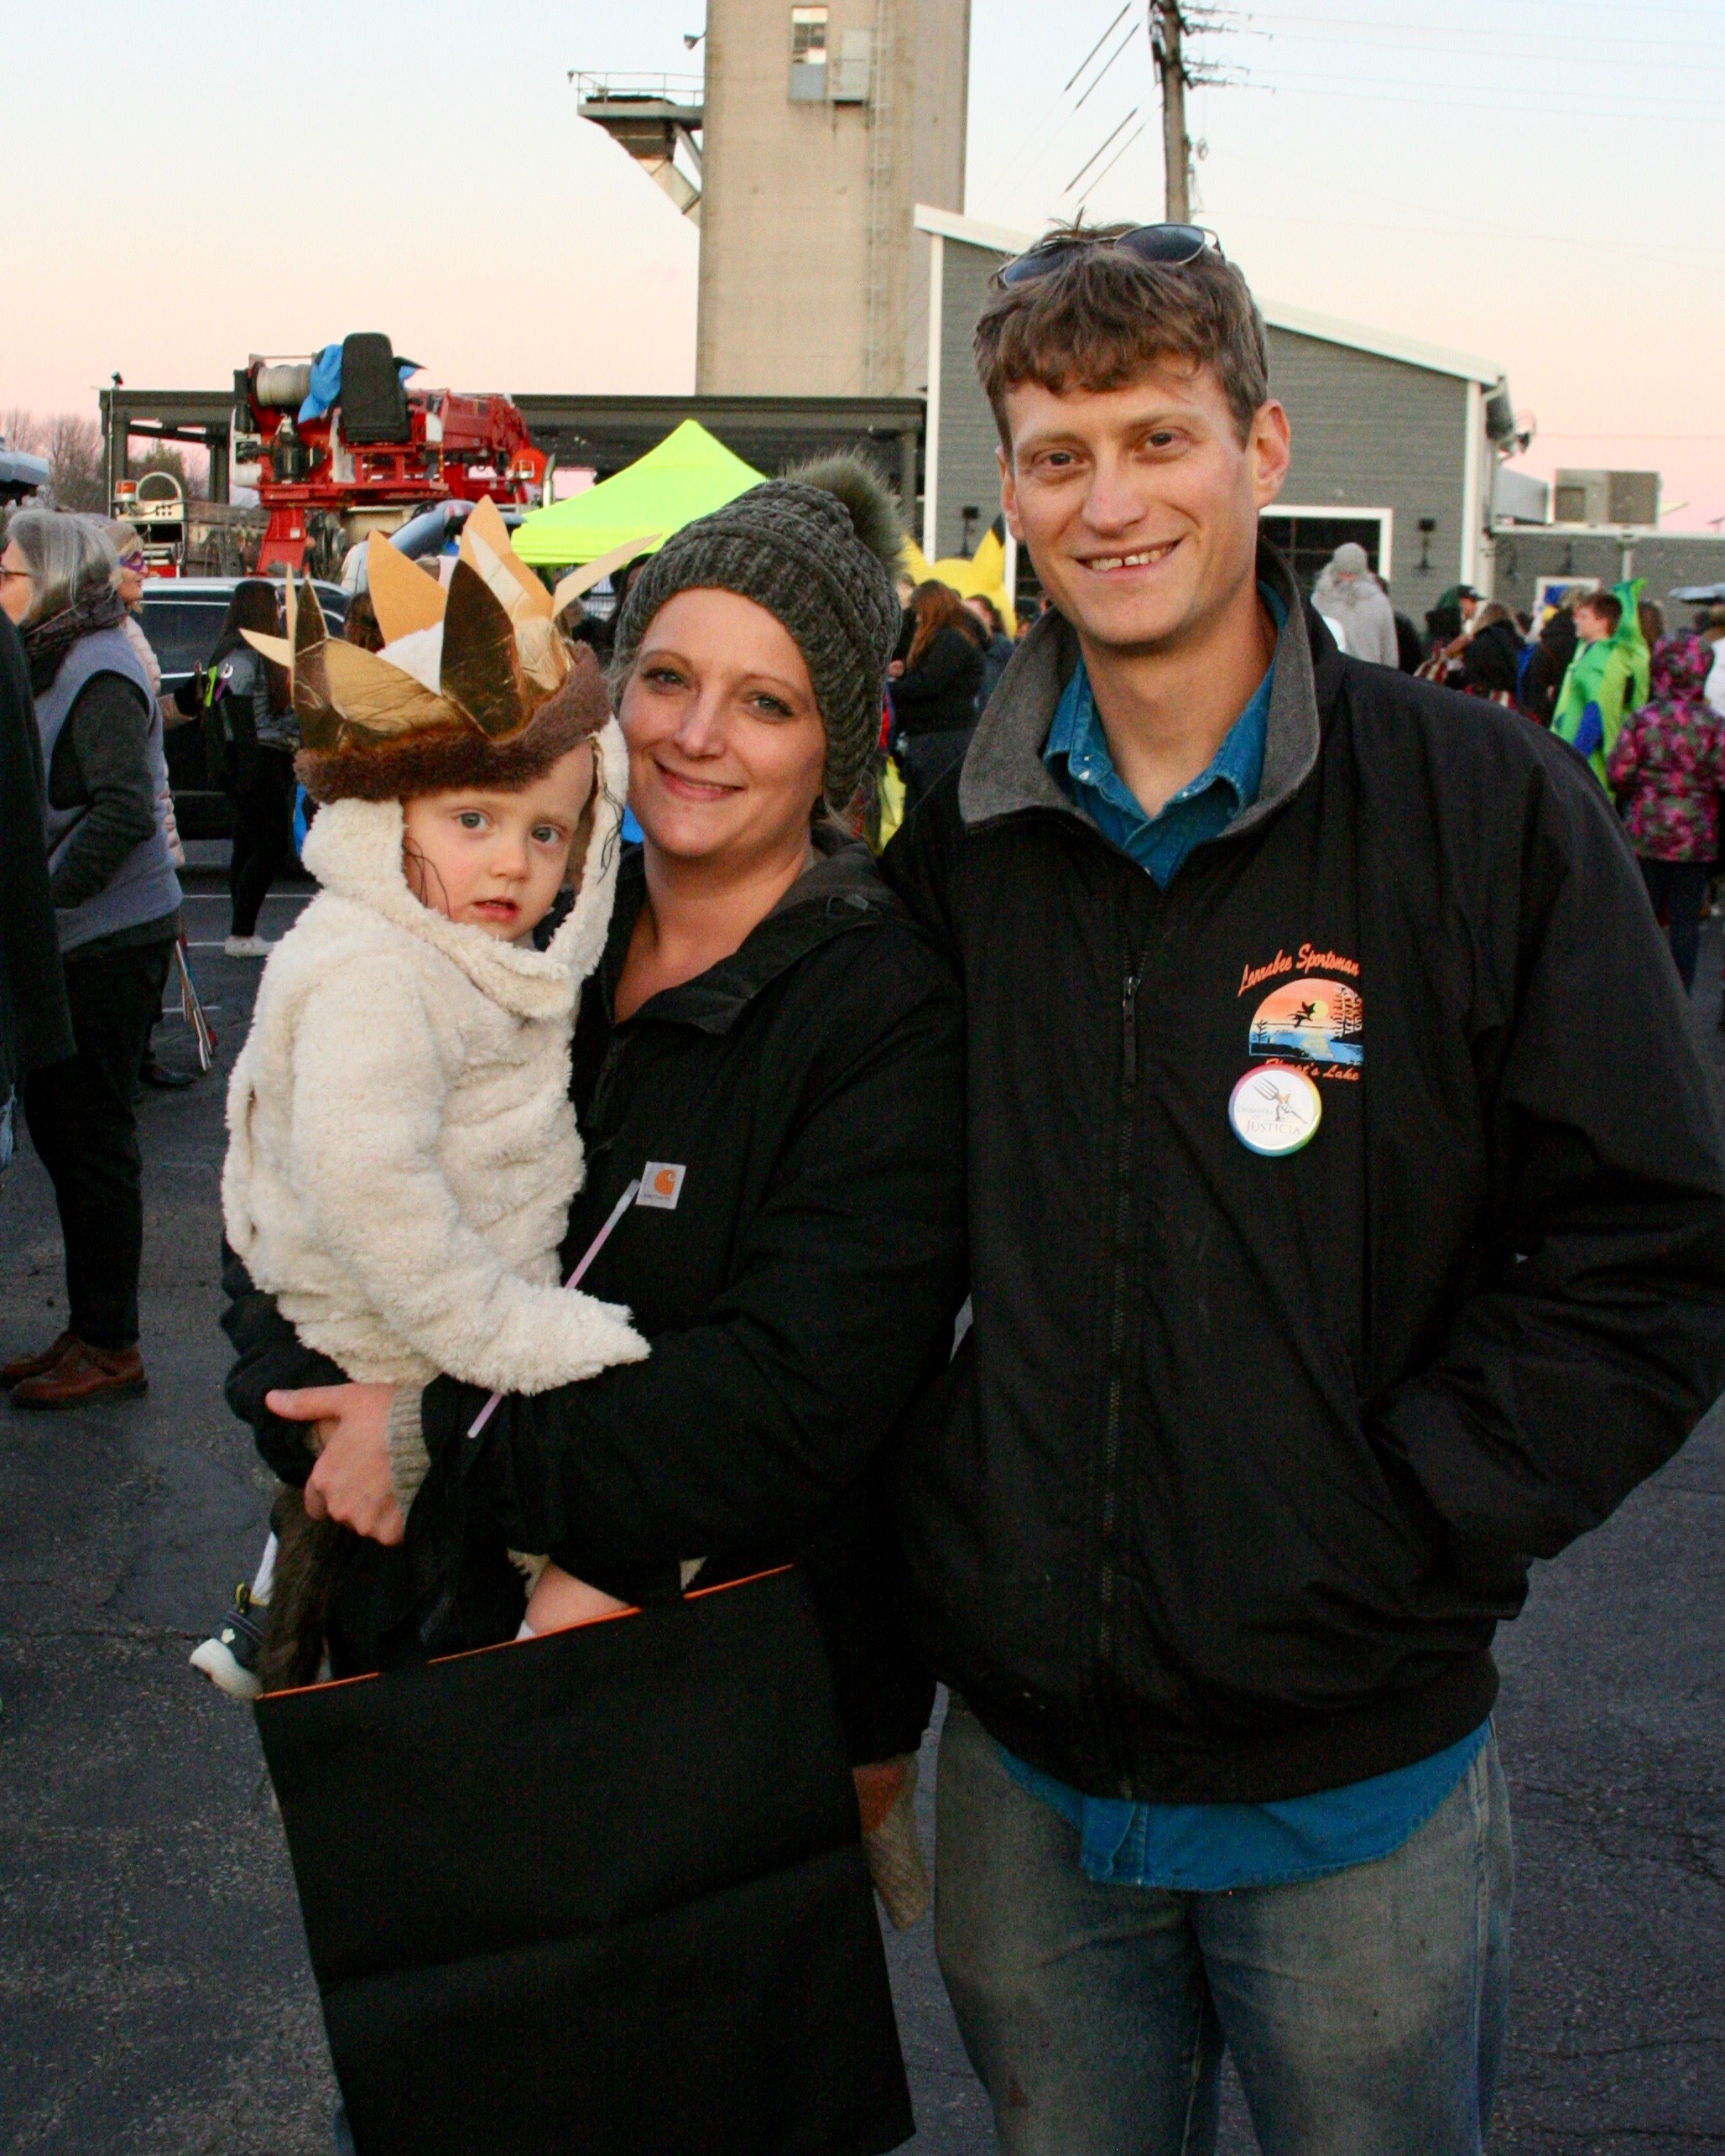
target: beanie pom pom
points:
(873, 508)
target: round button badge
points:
(1274, 1110)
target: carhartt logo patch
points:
(662, 1185)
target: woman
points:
(934, 694)
(129, 547)
(772, 1033)
(251, 738)
(1666, 770)
(117, 902)
(1491, 656)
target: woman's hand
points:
(350, 1483)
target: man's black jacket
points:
(1244, 1458)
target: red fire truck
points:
(332, 469)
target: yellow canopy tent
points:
(689, 475)
(983, 576)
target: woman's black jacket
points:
(939, 691)
(799, 1291)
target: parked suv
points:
(182, 617)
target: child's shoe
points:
(229, 1658)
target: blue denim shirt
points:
(1076, 752)
(1210, 1848)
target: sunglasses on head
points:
(1167, 246)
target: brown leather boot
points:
(33, 1365)
(84, 1374)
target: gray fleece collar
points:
(1003, 770)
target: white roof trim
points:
(1437, 359)
(949, 226)
(1298, 321)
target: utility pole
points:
(1167, 30)
(1172, 22)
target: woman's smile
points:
(684, 788)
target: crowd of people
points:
(996, 1231)
(1644, 708)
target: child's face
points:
(496, 861)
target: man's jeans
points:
(1364, 2010)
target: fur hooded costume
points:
(402, 1148)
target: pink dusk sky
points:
(1536, 181)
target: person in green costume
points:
(1611, 661)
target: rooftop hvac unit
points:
(1605, 497)
(1518, 498)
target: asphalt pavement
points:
(156, 1994)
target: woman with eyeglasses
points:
(117, 905)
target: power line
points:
(1118, 154)
(1097, 46)
(1392, 90)
(1103, 77)
(1090, 161)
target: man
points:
(1347, 592)
(1599, 688)
(1329, 1260)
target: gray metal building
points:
(1393, 438)
(1668, 560)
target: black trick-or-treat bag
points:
(600, 1893)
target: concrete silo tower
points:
(824, 126)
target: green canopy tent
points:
(689, 475)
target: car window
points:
(182, 632)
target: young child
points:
(402, 1149)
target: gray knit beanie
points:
(818, 549)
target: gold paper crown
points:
(481, 658)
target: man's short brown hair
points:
(1104, 317)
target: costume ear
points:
(480, 672)
(309, 637)
(582, 580)
(376, 698)
(485, 547)
(403, 598)
(276, 649)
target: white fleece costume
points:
(402, 1150)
